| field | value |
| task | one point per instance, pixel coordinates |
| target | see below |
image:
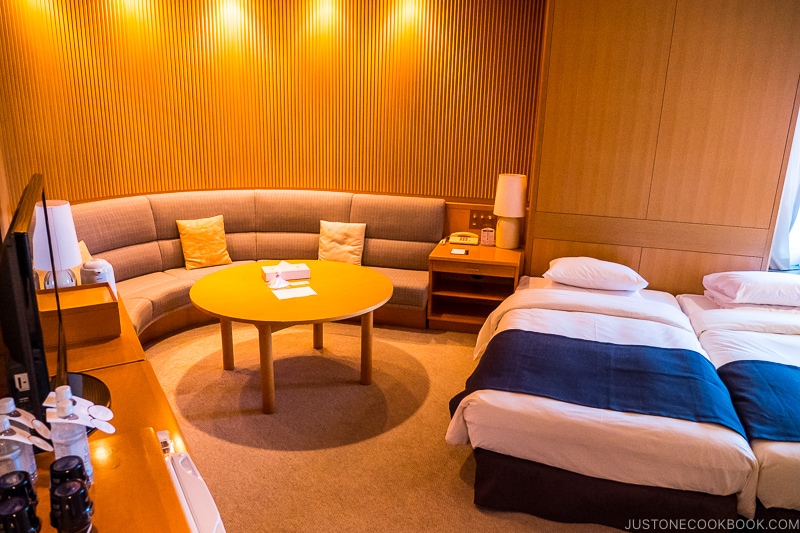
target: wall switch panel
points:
(479, 219)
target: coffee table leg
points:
(226, 330)
(366, 348)
(267, 374)
(318, 336)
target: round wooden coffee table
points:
(239, 294)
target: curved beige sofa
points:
(139, 237)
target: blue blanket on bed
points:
(767, 397)
(667, 382)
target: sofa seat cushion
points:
(197, 273)
(401, 231)
(405, 255)
(140, 310)
(399, 218)
(282, 245)
(116, 223)
(288, 211)
(122, 232)
(165, 292)
(410, 286)
(236, 206)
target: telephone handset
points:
(464, 237)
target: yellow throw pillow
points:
(203, 242)
(341, 241)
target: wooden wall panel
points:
(457, 216)
(608, 62)
(733, 74)
(682, 272)
(703, 195)
(413, 97)
(651, 233)
(545, 250)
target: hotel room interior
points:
(654, 134)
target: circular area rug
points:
(336, 455)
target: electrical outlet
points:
(22, 383)
(479, 219)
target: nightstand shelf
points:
(464, 289)
(489, 289)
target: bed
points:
(755, 346)
(576, 463)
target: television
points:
(21, 342)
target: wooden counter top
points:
(132, 491)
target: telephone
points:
(464, 237)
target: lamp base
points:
(65, 278)
(507, 233)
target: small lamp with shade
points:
(66, 252)
(56, 250)
(509, 206)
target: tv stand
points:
(132, 491)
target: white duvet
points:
(626, 447)
(747, 334)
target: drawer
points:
(478, 269)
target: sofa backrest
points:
(121, 231)
(138, 234)
(401, 231)
(237, 208)
(287, 221)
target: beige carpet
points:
(336, 456)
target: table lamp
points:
(509, 206)
(55, 249)
(66, 252)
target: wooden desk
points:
(132, 491)
(239, 294)
(119, 350)
(138, 401)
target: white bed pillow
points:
(526, 282)
(591, 273)
(753, 287)
(723, 302)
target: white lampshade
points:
(66, 252)
(509, 201)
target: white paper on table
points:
(285, 294)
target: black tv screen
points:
(21, 345)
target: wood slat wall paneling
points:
(6, 208)
(733, 75)
(682, 272)
(608, 62)
(545, 250)
(413, 97)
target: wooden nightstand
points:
(464, 289)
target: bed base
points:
(776, 513)
(508, 483)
